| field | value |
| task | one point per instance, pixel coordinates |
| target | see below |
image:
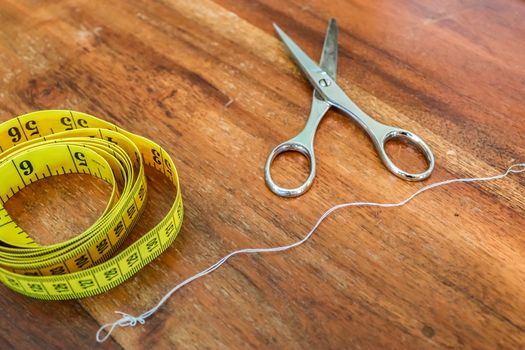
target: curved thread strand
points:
(130, 321)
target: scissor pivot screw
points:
(324, 82)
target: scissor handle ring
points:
(290, 146)
(395, 133)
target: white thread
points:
(131, 321)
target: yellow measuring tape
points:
(50, 143)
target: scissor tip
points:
(280, 32)
(332, 22)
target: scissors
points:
(328, 94)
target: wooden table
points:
(211, 82)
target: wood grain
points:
(211, 82)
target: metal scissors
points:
(328, 94)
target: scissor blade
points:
(329, 55)
(307, 65)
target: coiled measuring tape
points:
(50, 143)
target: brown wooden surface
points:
(211, 82)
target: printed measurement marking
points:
(5, 223)
(73, 119)
(72, 158)
(21, 127)
(12, 161)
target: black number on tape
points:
(61, 287)
(111, 273)
(102, 246)
(82, 261)
(13, 282)
(31, 273)
(156, 156)
(141, 192)
(168, 167)
(81, 157)
(36, 287)
(31, 126)
(82, 123)
(132, 259)
(59, 270)
(67, 122)
(169, 229)
(131, 211)
(86, 284)
(151, 245)
(26, 166)
(15, 134)
(118, 229)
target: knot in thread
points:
(126, 320)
